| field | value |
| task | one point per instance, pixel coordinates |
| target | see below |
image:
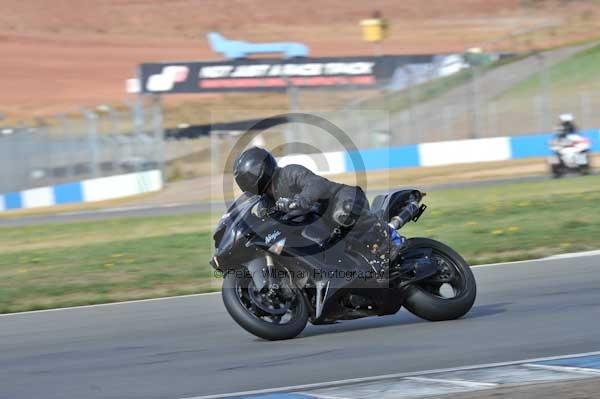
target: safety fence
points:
(97, 142)
(409, 156)
(507, 98)
(433, 154)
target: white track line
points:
(109, 304)
(570, 255)
(574, 255)
(328, 396)
(327, 384)
(564, 369)
(462, 383)
(539, 260)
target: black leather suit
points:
(299, 183)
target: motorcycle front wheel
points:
(448, 294)
(269, 314)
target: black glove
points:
(282, 204)
(299, 204)
(296, 204)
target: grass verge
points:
(569, 77)
(51, 266)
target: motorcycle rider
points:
(566, 126)
(563, 143)
(569, 148)
(256, 171)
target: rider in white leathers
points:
(570, 148)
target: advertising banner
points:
(272, 74)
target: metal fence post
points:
(92, 138)
(215, 154)
(290, 134)
(478, 103)
(586, 113)
(448, 119)
(159, 135)
(474, 102)
(545, 92)
(413, 136)
(26, 156)
(67, 148)
(492, 118)
(116, 149)
(41, 146)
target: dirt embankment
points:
(61, 55)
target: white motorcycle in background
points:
(570, 154)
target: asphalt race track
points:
(188, 346)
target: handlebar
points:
(283, 204)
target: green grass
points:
(94, 273)
(569, 77)
(404, 99)
(59, 265)
(94, 262)
(80, 234)
(516, 221)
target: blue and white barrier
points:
(426, 154)
(434, 154)
(104, 188)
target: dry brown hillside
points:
(58, 55)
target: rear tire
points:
(254, 325)
(429, 306)
(586, 169)
(556, 171)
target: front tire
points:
(584, 170)
(251, 318)
(425, 299)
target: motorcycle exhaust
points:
(410, 212)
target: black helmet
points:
(254, 169)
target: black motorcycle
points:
(282, 269)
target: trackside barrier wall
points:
(435, 154)
(91, 190)
(426, 154)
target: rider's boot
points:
(398, 243)
(387, 256)
(385, 250)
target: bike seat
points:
(386, 206)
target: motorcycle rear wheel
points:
(556, 171)
(243, 304)
(427, 299)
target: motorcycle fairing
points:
(349, 271)
(296, 242)
(333, 268)
(234, 224)
(332, 265)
